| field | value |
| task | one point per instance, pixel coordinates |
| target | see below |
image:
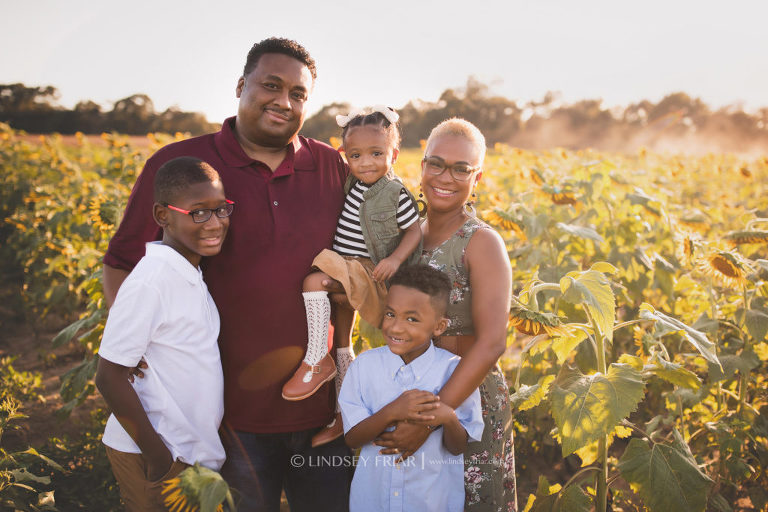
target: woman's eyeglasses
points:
(203, 214)
(436, 166)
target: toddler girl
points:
(377, 232)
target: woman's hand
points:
(405, 439)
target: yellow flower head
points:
(687, 248)
(503, 220)
(184, 491)
(725, 268)
(535, 322)
(746, 237)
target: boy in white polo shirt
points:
(164, 314)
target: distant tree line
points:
(35, 110)
(677, 123)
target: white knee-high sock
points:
(344, 357)
(318, 314)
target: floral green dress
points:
(489, 464)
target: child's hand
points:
(386, 269)
(412, 405)
(442, 414)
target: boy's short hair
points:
(179, 173)
(427, 280)
(283, 46)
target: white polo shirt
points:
(164, 313)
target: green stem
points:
(602, 446)
(744, 379)
(629, 322)
(713, 305)
(542, 287)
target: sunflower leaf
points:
(591, 289)
(666, 476)
(569, 339)
(580, 231)
(212, 495)
(587, 407)
(757, 324)
(666, 325)
(673, 373)
(528, 397)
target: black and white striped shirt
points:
(349, 240)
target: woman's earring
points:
(469, 207)
(421, 204)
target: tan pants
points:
(138, 493)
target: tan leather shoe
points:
(329, 432)
(308, 379)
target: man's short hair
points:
(459, 127)
(427, 280)
(179, 173)
(281, 45)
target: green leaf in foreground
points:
(667, 325)
(674, 373)
(587, 407)
(528, 397)
(757, 324)
(592, 289)
(554, 499)
(665, 475)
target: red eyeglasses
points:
(203, 214)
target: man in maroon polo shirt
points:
(288, 193)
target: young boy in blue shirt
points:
(164, 314)
(400, 382)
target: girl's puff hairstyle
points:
(459, 127)
(375, 118)
(175, 175)
(283, 46)
(427, 280)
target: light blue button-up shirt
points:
(430, 480)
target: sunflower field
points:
(637, 340)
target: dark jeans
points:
(259, 466)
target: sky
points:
(190, 53)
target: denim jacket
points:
(378, 217)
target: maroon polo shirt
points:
(282, 219)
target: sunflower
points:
(687, 248)
(183, 492)
(504, 220)
(746, 237)
(695, 221)
(534, 322)
(564, 198)
(537, 176)
(725, 268)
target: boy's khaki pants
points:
(138, 493)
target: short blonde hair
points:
(459, 127)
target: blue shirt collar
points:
(418, 366)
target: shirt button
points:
(274, 203)
(396, 493)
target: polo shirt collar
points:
(420, 366)
(178, 262)
(233, 155)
